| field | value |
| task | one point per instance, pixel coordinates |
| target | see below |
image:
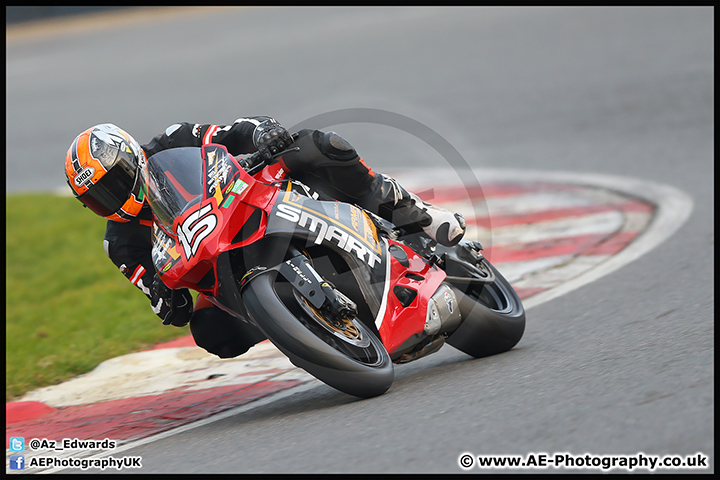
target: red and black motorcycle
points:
(340, 291)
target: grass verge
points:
(67, 307)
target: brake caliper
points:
(320, 293)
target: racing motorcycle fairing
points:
(341, 240)
(266, 250)
(412, 282)
(394, 281)
(204, 203)
(214, 221)
(321, 222)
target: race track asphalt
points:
(620, 365)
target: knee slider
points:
(336, 147)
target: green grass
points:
(68, 308)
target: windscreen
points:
(174, 180)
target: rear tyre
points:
(493, 317)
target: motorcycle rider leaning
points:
(103, 169)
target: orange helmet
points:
(103, 169)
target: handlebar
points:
(256, 162)
(252, 163)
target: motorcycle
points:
(343, 293)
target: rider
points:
(103, 167)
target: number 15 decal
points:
(195, 228)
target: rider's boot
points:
(392, 202)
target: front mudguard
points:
(236, 267)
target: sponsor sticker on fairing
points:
(326, 231)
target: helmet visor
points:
(111, 192)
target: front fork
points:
(316, 290)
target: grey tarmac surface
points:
(620, 366)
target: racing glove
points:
(174, 307)
(270, 138)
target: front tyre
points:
(347, 356)
(493, 317)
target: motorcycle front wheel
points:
(347, 355)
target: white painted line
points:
(540, 201)
(673, 209)
(596, 223)
(559, 274)
(514, 272)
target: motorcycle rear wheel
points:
(347, 356)
(493, 317)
